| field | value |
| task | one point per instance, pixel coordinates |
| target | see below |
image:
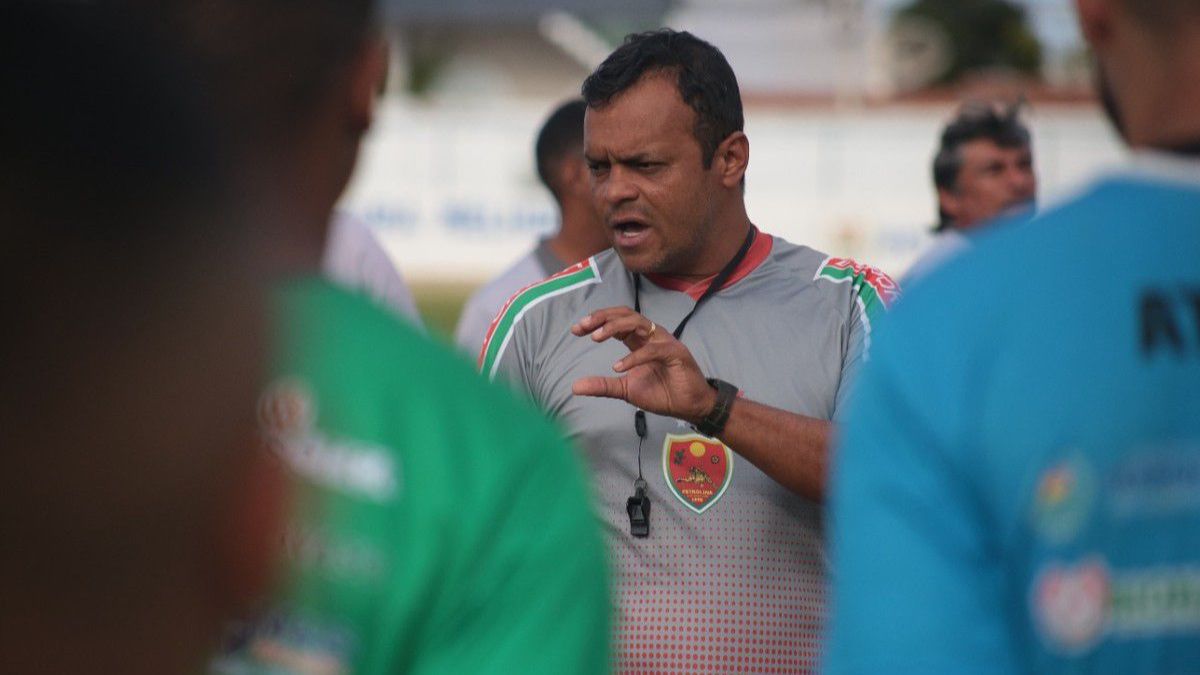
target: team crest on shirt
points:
(697, 469)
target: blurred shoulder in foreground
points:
(1031, 466)
(441, 527)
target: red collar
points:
(760, 248)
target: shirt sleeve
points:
(872, 293)
(916, 588)
(356, 258)
(506, 354)
(857, 350)
(396, 294)
(382, 280)
(536, 596)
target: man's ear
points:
(367, 76)
(731, 159)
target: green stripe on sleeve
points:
(523, 302)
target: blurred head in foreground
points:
(292, 85)
(1147, 56)
(984, 166)
(131, 356)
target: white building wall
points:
(455, 196)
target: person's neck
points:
(580, 235)
(721, 247)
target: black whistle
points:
(638, 507)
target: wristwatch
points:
(714, 422)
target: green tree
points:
(979, 34)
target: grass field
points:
(440, 304)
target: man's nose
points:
(617, 188)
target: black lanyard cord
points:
(638, 506)
(639, 427)
(717, 282)
(639, 417)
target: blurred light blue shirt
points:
(1017, 488)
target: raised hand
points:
(660, 374)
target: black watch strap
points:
(714, 422)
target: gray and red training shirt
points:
(733, 572)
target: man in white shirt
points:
(355, 258)
(560, 165)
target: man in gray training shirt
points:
(559, 152)
(727, 568)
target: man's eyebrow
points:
(633, 159)
(638, 158)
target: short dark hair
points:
(561, 136)
(974, 121)
(703, 77)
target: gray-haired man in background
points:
(983, 170)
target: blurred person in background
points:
(355, 258)
(1018, 488)
(137, 513)
(559, 153)
(439, 525)
(983, 170)
(693, 290)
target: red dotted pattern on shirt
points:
(748, 602)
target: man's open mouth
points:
(629, 232)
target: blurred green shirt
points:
(440, 526)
